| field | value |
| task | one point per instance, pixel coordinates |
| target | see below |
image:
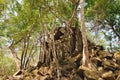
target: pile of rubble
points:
(107, 68)
(67, 64)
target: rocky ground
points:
(107, 68)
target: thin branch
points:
(69, 22)
(115, 31)
(74, 12)
(112, 27)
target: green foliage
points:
(106, 15)
(34, 16)
(1, 1)
(2, 7)
(7, 66)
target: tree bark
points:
(85, 60)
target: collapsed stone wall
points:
(67, 49)
(60, 42)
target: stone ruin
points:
(60, 59)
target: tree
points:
(105, 15)
(85, 60)
(32, 17)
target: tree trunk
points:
(16, 60)
(85, 60)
